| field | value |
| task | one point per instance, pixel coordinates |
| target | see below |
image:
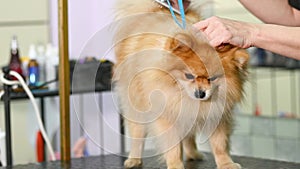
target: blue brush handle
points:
(182, 14)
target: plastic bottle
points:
(41, 59)
(15, 62)
(50, 65)
(24, 61)
(33, 67)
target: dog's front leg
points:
(137, 133)
(174, 157)
(170, 143)
(190, 148)
(220, 145)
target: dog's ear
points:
(237, 55)
(180, 42)
(224, 48)
(241, 58)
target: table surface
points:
(116, 162)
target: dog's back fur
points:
(140, 16)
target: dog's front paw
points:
(176, 166)
(194, 156)
(132, 162)
(230, 166)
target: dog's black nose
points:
(200, 94)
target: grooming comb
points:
(165, 4)
(181, 12)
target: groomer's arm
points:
(273, 11)
(283, 40)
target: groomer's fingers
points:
(210, 25)
(221, 36)
(216, 30)
(206, 28)
(217, 40)
(202, 25)
(186, 4)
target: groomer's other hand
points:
(220, 31)
(186, 4)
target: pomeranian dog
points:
(172, 85)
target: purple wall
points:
(85, 19)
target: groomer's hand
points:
(220, 31)
(186, 4)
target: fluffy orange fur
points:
(172, 85)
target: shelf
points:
(38, 93)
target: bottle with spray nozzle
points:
(15, 62)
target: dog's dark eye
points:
(189, 76)
(212, 78)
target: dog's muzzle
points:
(200, 94)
